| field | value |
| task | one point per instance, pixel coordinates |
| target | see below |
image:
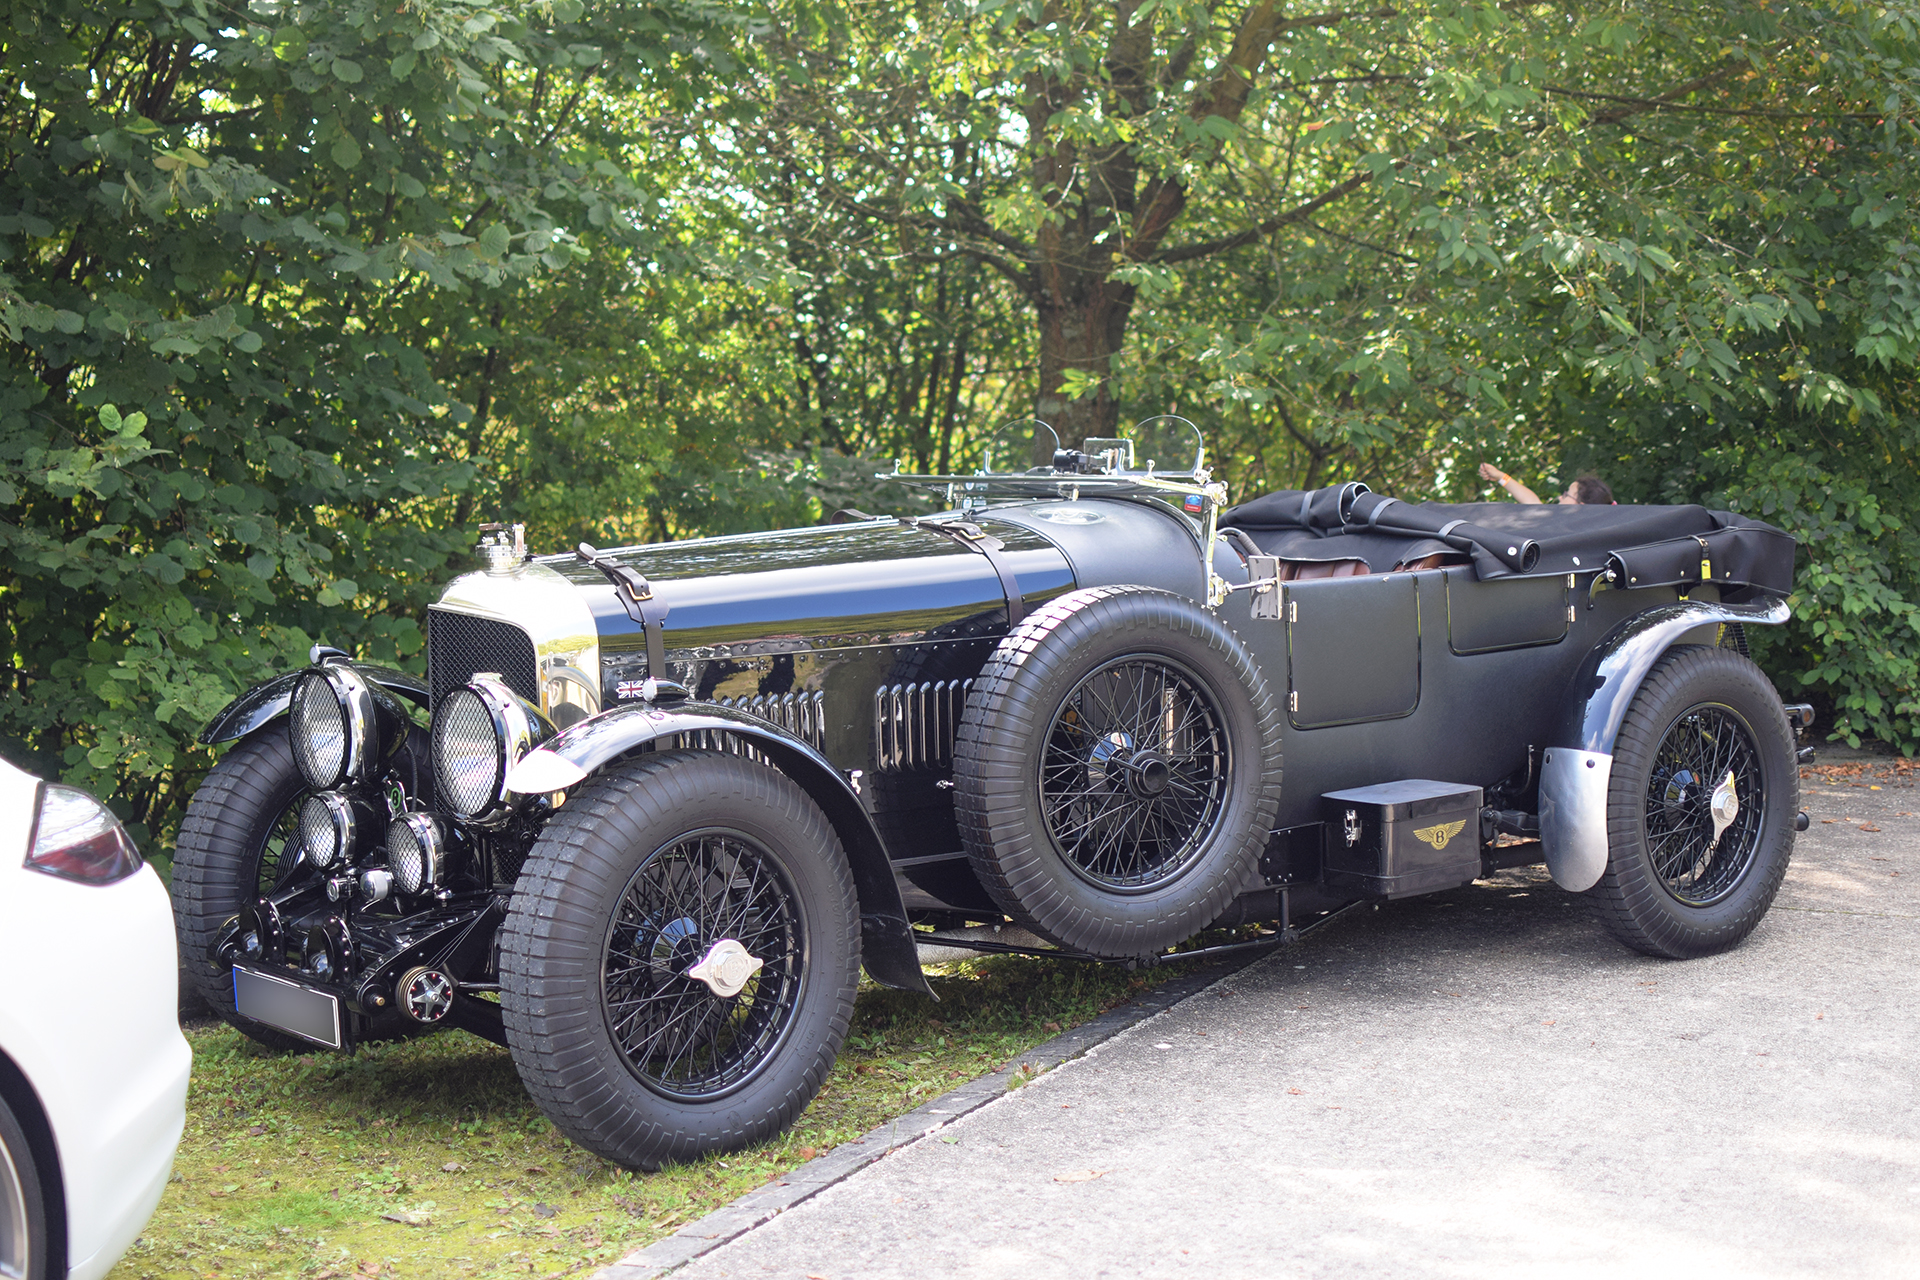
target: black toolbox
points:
(1401, 838)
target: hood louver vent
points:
(914, 724)
(800, 714)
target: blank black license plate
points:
(307, 1013)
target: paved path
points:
(1476, 1084)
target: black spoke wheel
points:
(1134, 776)
(676, 1035)
(679, 961)
(1700, 806)
(1117, 770)
(1709, 751)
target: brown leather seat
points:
(1307, 570)
(1437, 560)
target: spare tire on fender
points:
(1117, 770)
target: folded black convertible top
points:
(1640, 546)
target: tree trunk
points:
(1082, 310)
(1083, 321)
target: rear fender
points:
(267, 702)
(886, 940)
(1578, 762)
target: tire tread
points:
(1629, 901)
(1005, 712)
(550, 960)
(211, 857)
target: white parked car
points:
(93, 1068)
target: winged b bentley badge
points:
(1440, 834)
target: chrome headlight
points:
(416, 852)
(341, 726)
(328, 828)
(480, 732)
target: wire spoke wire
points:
(678, 1037)
(1704, 745)
(280, 852)
(1114, 832)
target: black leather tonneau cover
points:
(1645, 546)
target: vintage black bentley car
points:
(652, 809)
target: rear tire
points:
(1680, 883)
(24, 1233)
(644, 872)
(1117, 770)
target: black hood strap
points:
(967, 534)
(636, 596)
(974, 538)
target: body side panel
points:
(1477, 715)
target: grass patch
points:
(426, 1158)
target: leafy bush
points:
(263, 276)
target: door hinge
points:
(1293, 611)
(1571, 614)
(1293, 700)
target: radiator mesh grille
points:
(459, 644)
(915, 724)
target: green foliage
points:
(256, 274)
(1671, 243)
(1856, 636)
(293, 296)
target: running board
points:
(1287, 934)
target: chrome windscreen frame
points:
(1114, 476)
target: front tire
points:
(1681, 880)
(646, 873)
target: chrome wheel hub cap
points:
(1725, 807)
(726, 968)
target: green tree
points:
(261, 274)
(1668, 241)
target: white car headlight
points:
(76, 837)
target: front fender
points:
(267, 702)
(1578, 762)
(886, 939)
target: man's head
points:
(1587, 491)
